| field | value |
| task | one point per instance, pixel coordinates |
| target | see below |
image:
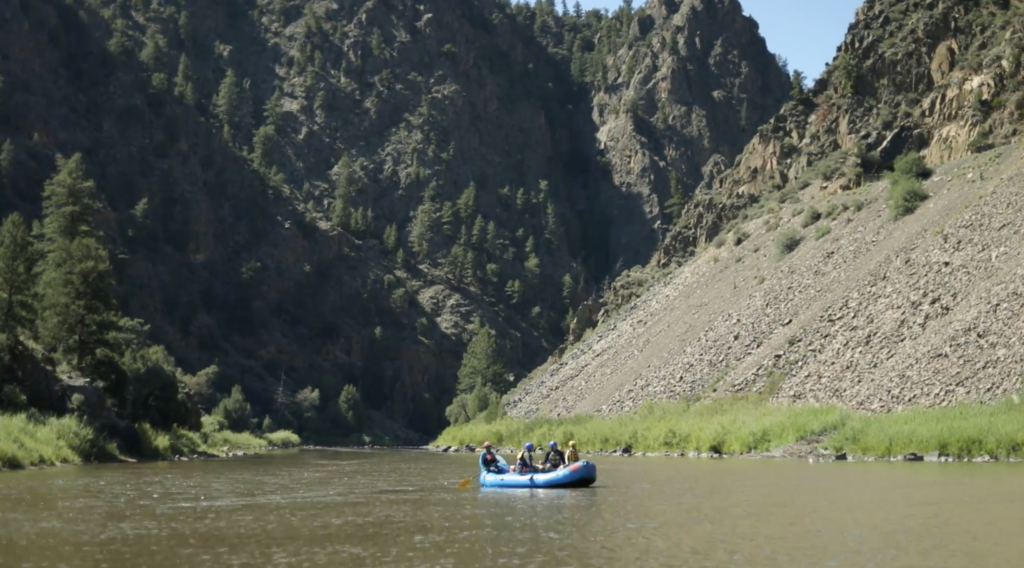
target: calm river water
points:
(401, 508)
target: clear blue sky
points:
(806, 32)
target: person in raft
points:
(571, 455)
(524, 461)
(488, 460)
(554, 458)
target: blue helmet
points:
(529, 446)
(552, 444)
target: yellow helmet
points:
(572, 443)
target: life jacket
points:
(490, 459)
(572, 456)
(555, 458)
(524, 459)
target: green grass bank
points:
(749, 424)
(32, 439)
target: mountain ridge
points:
(302, 197)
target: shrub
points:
(911, 165)
(718, 242)
(786, 242)
(833, 210)
(283, 439)
(739, 237)
(811, 216)
(821, 232)
(905, 196)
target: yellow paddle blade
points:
(465, 483)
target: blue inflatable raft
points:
(580, 474)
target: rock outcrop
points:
(682, 97)
(938, 76)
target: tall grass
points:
(748, 423)
(731, 425)
(962, 431)
(31, 439)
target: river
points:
(402, 508)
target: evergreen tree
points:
(263, 148)
(391, 238)
(184, 82)
(231, 105)
(352, 410)
(16, 278)
(345, 188)
(467, 203)
(674, 205)
(477, 239)
(423, 228)
(70, 206)
(799, 82)
(7, 162)
(492, 238)
(272, 110)
(481, 379)
(77, 311)
(154, 57)
(568, 289)
(235, 411)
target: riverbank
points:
(32, 440)
(749, 426)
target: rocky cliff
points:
(870, 312)
(942, 77)
(314, 194)
(675, 106)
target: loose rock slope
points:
(874, 314)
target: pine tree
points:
(478, 232)
(235, 411)
(184, 82)
(226, 103)
(423, 228)
(345, 188)
(17, 281)
(550, 224)
(482, 364)
(521, 199)
(448, 218)
(568, 289)
(377, 43)
(492, 238)
(352, 410)
(70, 206)
(154, 57)
(798, 81)
(467, 203)
(77, 311)
(272, 110)
(263, 148)
(391, 238)
(674, 205)
(7, 162)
